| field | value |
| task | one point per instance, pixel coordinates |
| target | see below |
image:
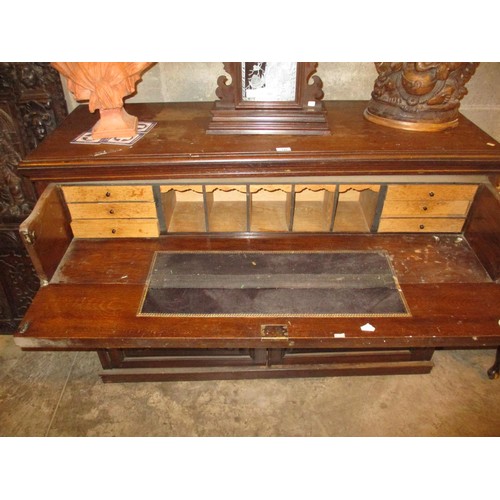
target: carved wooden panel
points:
(36, 99)
(32, 104)
(290, 102)
(17, 278)
(16, 194)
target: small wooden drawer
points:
(89, 194)
(421, 225)
(119, 210)
(119, 228)
(427, 208)
(430, 192)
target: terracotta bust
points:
(104, 85)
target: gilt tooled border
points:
(405, 314)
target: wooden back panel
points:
(483, 229)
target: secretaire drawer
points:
(119, 228)
(420, 225)
(125, 210)
(88, 194)
(425, 208)
(431, 192)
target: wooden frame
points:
(303, 115)
(92, 287)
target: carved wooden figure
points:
(421, 96)
(104, 85)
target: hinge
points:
(23, 328)
(29, 237)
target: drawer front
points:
(89, 194)
(420, 225)
(120, 210)
(119, 228)
(427, 208)
(431, 192)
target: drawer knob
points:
(113, 231)
(108, 194)
(111, 211)
(431, 194)
(421, 226)
(424, 208)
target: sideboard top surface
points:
(178, 146)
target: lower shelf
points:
(122, 365)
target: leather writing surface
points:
(272, 283)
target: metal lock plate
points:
(274, 330)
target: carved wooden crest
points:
(269, 98)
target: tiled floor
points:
(61, 394)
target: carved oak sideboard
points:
(190, 256)
(31, 106)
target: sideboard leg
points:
(421, 353)
(110, 358)
(494, 371)
(105, 358)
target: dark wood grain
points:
(483, 230)
(104, 316)
(47, 234)
(234, 115)
(178, 148)
(235, 373)
(416, 258)
(106, 279)
(95, 286)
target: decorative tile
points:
(142, 129)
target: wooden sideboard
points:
(421, 204)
